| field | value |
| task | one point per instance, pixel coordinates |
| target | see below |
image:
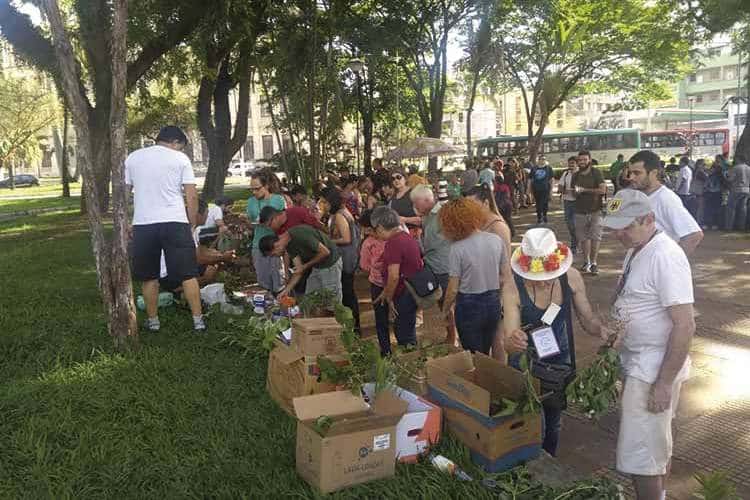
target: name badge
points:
(545, 342)
(550, 314)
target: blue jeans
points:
(712, 209)
(381, 321)
(477, 318)
(406, 322)
(570, 220)
(737, 211)
(551, 429)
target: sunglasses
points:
(397, 177)
(256, 188)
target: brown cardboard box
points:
(291, 375)
(464, 384)
(313, 336)
(416, 382)
(359, 446)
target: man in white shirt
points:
(671, 215)
(568, 195)
(158, 175)
(215, 214)
(654, 300)
(684, 181)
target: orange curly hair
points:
(460, 218)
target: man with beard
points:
(589, 186)
(671, 215)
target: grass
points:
(11, 205)
(185, 417)
(48, 186)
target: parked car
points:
(21, 180)
(240, 169)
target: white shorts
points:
(644, 445)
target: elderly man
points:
(654, 299)
(435, 248)
(402, 260)
(671, 215)
(308, 250)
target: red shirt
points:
(296, 216)
(403, 250)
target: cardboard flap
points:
(286, 355)
(498, 379)
(388, 404)
(329, 403)
(454, 363)
(449, 375)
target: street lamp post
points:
(357, 66)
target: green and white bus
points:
(604, 145)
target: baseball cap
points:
(625, 207)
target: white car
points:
(240, 169)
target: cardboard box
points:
(359, 446)
(418, 429)
(314, 336)
(464, 384)
(416, 382)
(292, 375)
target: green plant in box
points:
(313, 302)
(256, 335)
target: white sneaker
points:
(586, 268)
(152, 324)
(199, 324)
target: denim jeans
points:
(570, 220)
(477, 318)
(381, 321)
(712, 209)
(551, 429)
(349, 297)
(406, 322)
(542, 204)
(736, 214)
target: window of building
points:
(264, 107)
(560, 123)
(248, 149)
(519, 126)
(267, 146)
(730, 72)
(460, 117)
(714, 52)
(698, 98)
(712, 74)
(691, 77)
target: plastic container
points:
(166, 299)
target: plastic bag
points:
(213, 294)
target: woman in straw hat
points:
(547, 292)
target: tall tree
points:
(99, 68)
(227, 53)
(557, 47)
(27, 109)
(422, 30)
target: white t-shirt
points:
(686, 177)
(566, 180)
(157, 175)
(659, 277)
(671, 215)
(214, 213)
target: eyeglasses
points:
(258, 188)
(397, 177)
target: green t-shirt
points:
(588, 203)
(615, 169)
(254, 206)
(304, 244)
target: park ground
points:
(189, 417)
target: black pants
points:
(349, 298)
(542, 204)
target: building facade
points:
(718, 77)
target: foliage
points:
(529, 401)
(314, 302)
(558, 47)
(715, 486)
(183, 417)
(254, 336)
(595, 387)
(28, 106)
(409, 366)
(158, 103)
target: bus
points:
(604, 145)
(707, 143)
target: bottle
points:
(446, 465)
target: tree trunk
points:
(275, 125)
(123, 326)
(12, 173)
(469, 111)
(64, 164)
(110, 259)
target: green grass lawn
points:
(186, 417)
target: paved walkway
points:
(713, 422)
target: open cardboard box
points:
(360, 444)
(416, 381)
(418, 429)
(314, 336)
(464, 384)
(291, 375)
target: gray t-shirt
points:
(739, 177)
(476, 262)
(435, 247)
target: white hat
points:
(541, 257)
(625, 207)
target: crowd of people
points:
(452, 237)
